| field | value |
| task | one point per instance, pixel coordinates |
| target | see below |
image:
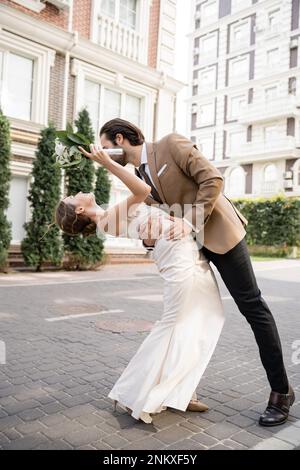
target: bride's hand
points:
(97, 154)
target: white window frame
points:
(211, 122)
(209, 18)
(205, 88)
(43, 61)
(276, 26)
(230, 115)
(245, 41)
(117, 15)
(233, 80)
(210, 53)
(228, 186)
(116, 82)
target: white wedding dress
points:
(168, 365)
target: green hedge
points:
(273, 222)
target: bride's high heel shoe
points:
(196, 405)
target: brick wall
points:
(50, 14)
(56, 91)
(153, 33)
(82, 17)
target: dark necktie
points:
(148, 181)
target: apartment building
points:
(245, 93)
(114, 56)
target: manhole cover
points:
(124, 325)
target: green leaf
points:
(83, 138)
(76, 139)
(61, 134)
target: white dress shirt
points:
(144, 159)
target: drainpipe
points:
(66, 80)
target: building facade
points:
(245, 93)
(115, 57)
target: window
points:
(292, 86)
(133, 109)
(207, 79)
(206, 146)
(16, 212)
(271, 93)
(240, 35)
(274, 20)
(209, 13)
(105, 104)
(16, 92)
(236, 184)
(122, 11)
(273, 59)
(112, 105)
(206, 114)
(128, 13)
(208, 45)
(92, 100)
(238, 70)
(236, 104)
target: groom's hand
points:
(150, 231)
(178, 229)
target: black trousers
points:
(237, 273)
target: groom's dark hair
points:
(128, 130)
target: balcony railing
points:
(270, 187)
(281, 107)
(118, 38)
(286, 146)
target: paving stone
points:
(246, 438)
(204, 439)
(173, 434)
(83, 437)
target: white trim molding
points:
(116, 81)
(34, 5)
(83, 49)
(43, 60)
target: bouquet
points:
(67, 152)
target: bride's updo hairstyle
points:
(72, 223)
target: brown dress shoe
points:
(196, 405)
(277, 411)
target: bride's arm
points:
(115, 217)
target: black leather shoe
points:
(277, 411)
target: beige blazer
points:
(183, 176)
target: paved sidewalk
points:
(68, 336)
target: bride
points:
(167, 367)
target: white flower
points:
(59, 148)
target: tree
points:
(102, 186)
(83, 252)
(42, 244)
(5, 175)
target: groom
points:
(179, 174)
